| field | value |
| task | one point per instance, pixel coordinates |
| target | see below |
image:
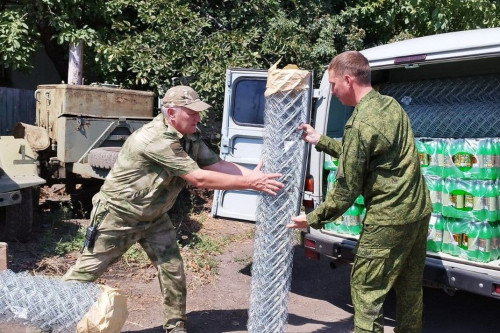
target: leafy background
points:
(154, 44)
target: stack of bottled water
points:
(463, 179)
(350, 222)
(48, 303)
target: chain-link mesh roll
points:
(48, 303)
(283, 152)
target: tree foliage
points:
(154, 44)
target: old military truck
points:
(80, 129)
(19, 184)
(450, 86)
(77, 136)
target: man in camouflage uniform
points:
(378, 159)
(132, 206)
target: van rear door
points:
(241, 141)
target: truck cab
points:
(449, 84)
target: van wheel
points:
(19, 218)
(103, 157)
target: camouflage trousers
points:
(389, 257)
(116, 234)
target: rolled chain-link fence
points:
(450, 108)
(50, 304)
(283, 152)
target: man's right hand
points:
(264, 182)
(309, 134)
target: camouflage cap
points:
(184, 96)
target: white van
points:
(449, 84)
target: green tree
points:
(154, 44)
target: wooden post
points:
(3, 257)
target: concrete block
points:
(3, 256)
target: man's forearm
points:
(330, 146)
(228, 168)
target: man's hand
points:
(309, 135)
(264, 182)
(298, 222)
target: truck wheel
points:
(103, 157)
(19, 218)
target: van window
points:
(249, 101)
(337, 117)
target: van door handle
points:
(225, 149)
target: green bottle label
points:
(472, 243)
(456, 239)
(438, 235)
(446, 199)
(463, 160)
(487, 161)
(464, 242)
(494, 243)
(479, 203)
(447, 237)
(424, 159)
(352, 220)
(469, 201)
(457, 200)
(492, 204)
(484, 244)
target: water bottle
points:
(472, 240)
(333, 226)
(463, 158)
(435, 186)
(328, 226)
(448, 199)
(330, 180)
(457, 201)
(331, 163)
(337, 224)
(486, 155)
(478, 191)
(424, 153)
(491, 200)
(459, 234)
(352, 219)
(453, 235)
(497, 188)
(446, 245)
(444, 159)
(484, 242)
(495, 246)
(435, 234)
(439, 231)
(497, 232)
(496, 142)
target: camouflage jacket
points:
(378, 159)
(144, 182)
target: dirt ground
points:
(219, 303)
(319, 297)
(215, 303)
